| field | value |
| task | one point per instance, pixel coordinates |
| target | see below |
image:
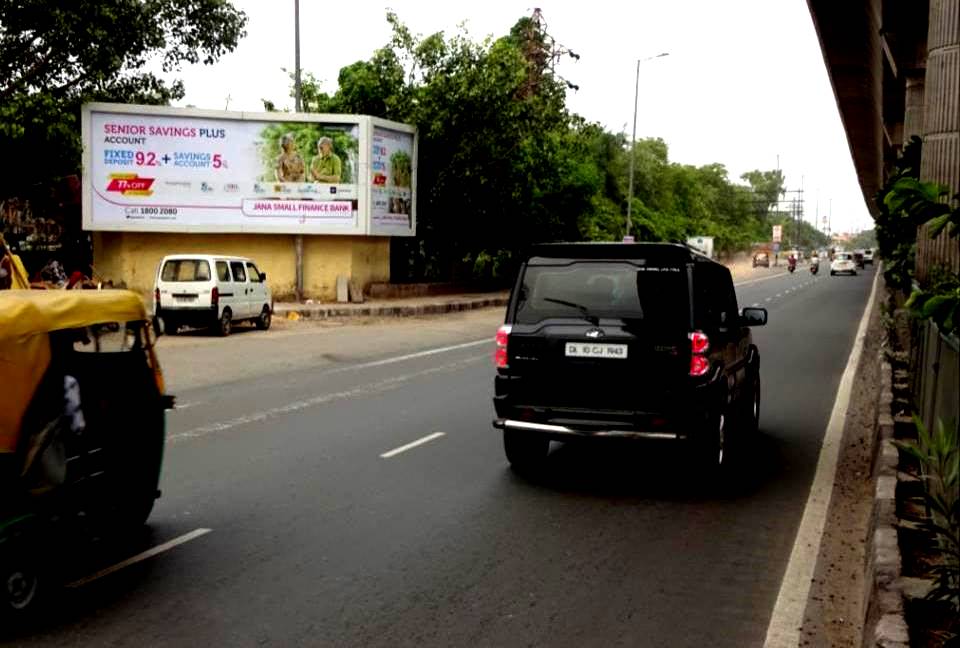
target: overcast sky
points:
(744, 81)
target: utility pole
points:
(298, 239)
(633, 140)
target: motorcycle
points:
(814, 268)
(791, 267)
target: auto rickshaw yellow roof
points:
(30, 312)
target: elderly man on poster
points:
(326, 167)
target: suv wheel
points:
(225, 325)
(751, 407)
(712, 450)
(526, 452)
(263, 322)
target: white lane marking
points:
(787, 617)
(320, 399)
(412, 444)
(412, 356)
(779, 295)
(768, 299)
(149, 553)
(753, 281)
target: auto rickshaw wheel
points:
(21, 583)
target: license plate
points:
(594, 350)
(183, 299)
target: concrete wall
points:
(133, 257)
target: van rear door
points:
(185, 283)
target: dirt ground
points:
(835, 610)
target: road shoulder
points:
(835, 608)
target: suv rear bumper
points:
(564, 432)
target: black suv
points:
(634, 341)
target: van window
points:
(253, 272)
(223, 271)
(237, 268)
(185, 270)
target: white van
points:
(208, 290)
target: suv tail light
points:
(500, 355)
(699, 345)
(214, 296)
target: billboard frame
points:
(365, 123)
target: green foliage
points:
(55, 55)
(938, 455)
(503, 163)
(940, 301)
(896, 230)
(865, 240)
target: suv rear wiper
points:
(593, 319)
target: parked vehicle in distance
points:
(761, 259)
(211, 291)
(639, 341)
(868, 256)
(843, 263)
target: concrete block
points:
(891, 632)
(886, 557)
(914, 588)
(355, 291)
(889, 459)
(885, 425)
(343, 290)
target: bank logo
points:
(130, 184)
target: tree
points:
(56, 55)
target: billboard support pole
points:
(298, 239)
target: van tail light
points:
(500, 354)
(214, 296)
(699, 345)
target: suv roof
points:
(663, 252)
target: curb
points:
(324, 311)
(885, 624)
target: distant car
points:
(868, 256)
(843, 263)
(640, 341)
(211, 291)
(761, 259)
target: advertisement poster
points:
(161, 172)
(392, 177)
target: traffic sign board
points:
(777, 233)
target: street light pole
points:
(633, 140)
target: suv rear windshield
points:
(655, 295)
(186, 270)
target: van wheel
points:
(225, 325)
(263, 322)
(526, 452)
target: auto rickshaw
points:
(82, 429)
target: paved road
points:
(317, 540)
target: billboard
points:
(152, 168)
(391, 181)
